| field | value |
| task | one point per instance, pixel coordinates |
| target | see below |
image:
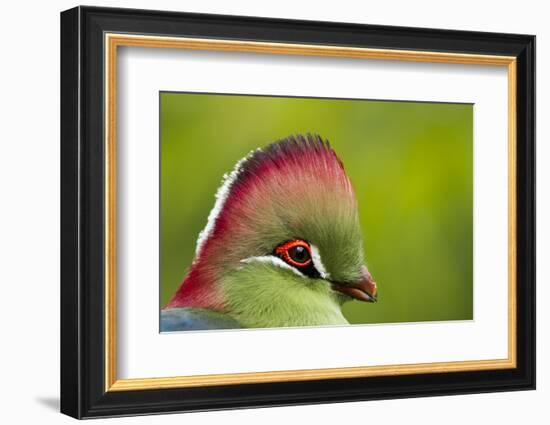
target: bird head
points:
(283, 244)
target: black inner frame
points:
(82, 217)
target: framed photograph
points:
(261, 212)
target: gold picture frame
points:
(114, 41)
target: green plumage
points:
(294, 189)
(263, 296)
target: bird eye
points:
(299, 254)
(295, 252)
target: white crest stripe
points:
(221, 196)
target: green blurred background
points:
(410, 163)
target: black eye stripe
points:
(310, 271)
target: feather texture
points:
(293, 188)
(194, 319)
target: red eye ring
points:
(284, 251)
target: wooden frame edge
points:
(306, 375)
(114, 40)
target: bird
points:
(282, 246)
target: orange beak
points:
(362, 290)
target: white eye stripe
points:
(319, 266)
(276, 261)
